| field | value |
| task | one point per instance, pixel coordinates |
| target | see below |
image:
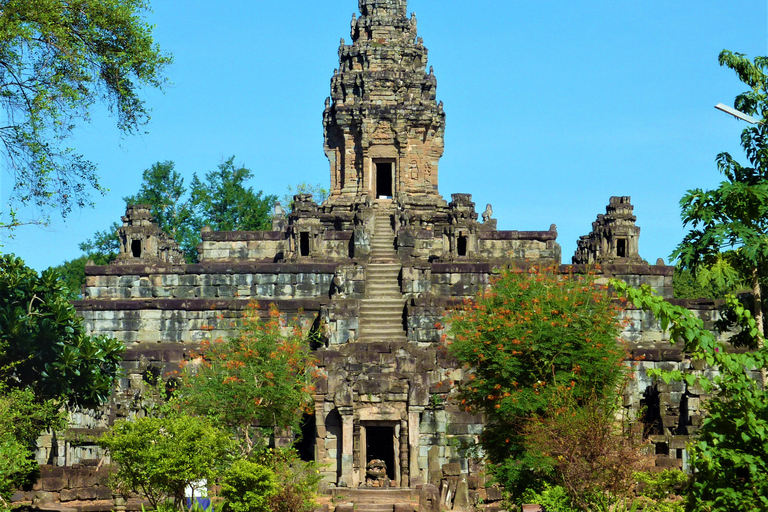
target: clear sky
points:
(552, 106)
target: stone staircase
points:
(381, 312)
(375, 500)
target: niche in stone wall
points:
(136, 248)
(461, 245)
(304, 243)
(333, 441)
(621, 248)
(305, 445)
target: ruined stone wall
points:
(243, 245)
(208, 281)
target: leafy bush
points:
(662, 491)
(552, 498)
(160, 457)
(247, 487)
(535, 335)
(297, 480)
(22, 420)
(261, 377)
(593, 455)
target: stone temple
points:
(374, 270)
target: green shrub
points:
(552, 497)
(159, 457)
(297, 480)
(247, 487)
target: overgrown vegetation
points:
(729, 458)
(254, 383)
(537, 342)
(47, 362)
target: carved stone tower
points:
(383, 127)
(614, 237)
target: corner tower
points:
(383, 126)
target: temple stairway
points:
(381, 312)
(375, 500)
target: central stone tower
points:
(383, 126)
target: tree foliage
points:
(247, 487)
(728, 240)
(22, 419)
(58, 59)
(730, 456)
(260, 378)
(319, 193)
(534, 336)
(159, 457)
(224, 202)
(43, 345)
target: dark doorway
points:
(384, 179)
(136, 248)
(461, 245)
(380, 444)
(621, 248)
(306, 444)
(304, 243)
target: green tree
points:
(728, 240)
(160, 457)
(225, 203)
(22, 419)
(534, 336)
(58, 60)
(686, 286)
(253, 383)
(729, 458)
(319, 193)
(43, 344)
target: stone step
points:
(381, 319)
(382, 305)
(384, 267)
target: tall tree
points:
(728, 241)
(58, 59)
(225, 203)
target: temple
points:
(374, 271)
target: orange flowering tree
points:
(255, 382)
(532, 337)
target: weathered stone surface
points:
(429, 498)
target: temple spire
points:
(383, 128)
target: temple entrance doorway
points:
(385, 174)
(380, 444)
(380, 441)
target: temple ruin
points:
(378, 265)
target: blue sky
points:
(552, 106)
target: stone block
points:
(493, 493)
(429, 498)
(452, 469)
